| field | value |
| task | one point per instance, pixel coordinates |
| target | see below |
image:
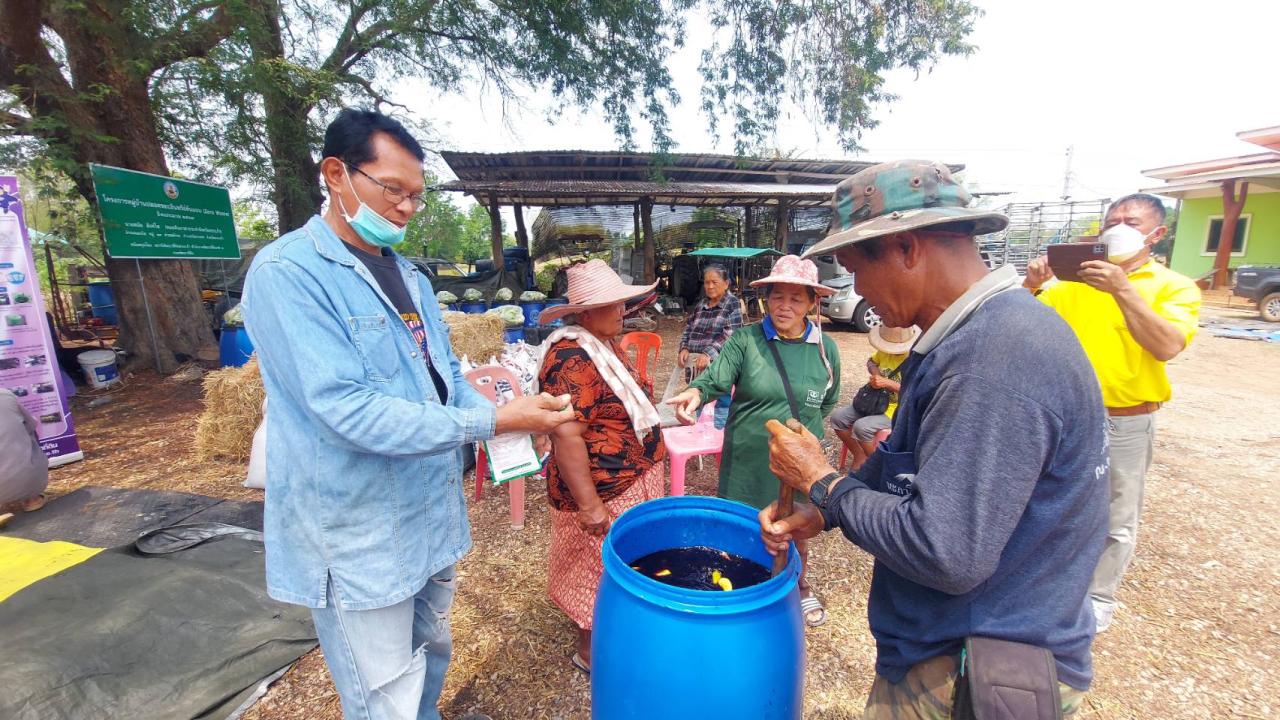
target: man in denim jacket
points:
(365, 515)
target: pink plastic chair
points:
(844, 449)
(485, 380)
(690, 441)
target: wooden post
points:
(784, 225)
(646, 222)
(522, 235)
(495, 232)
(636, 241)
(1231, 207)
(746, 221)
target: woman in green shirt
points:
(747, 366)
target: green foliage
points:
(441, 230)
(252, 222)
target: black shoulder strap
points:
(786, 381)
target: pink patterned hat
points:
(791, 270)
(593, 284)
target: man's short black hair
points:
(349, 136)
(1150, 201)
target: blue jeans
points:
(389, 663)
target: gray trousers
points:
(1132, 441)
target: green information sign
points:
(149, 216)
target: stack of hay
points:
(232, 411)
(478, 337)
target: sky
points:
(1129, 85)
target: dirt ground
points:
(1198, 631)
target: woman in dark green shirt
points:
(746, 365)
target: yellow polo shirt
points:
(1128, 374)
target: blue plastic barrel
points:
(103, 302)
(474, 307)
(532, 309)
(234, 346)
(659, 651)
(513, 334)
(556, 301)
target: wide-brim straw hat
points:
(593, 284)
(895, 197)
(893, 340)
(791, 270)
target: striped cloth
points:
(642, 412)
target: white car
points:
(846, 306)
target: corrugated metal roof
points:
(610, 192)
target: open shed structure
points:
(605, 186)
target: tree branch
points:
(16, 124)
(190, 39)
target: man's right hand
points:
(683, 358)
(804, 522)
(539, 413)
(1038, 273)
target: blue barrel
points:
(103, 302)
(474, 307)
(234, 346)
(454, 308)
(532, 309)
(513, 334)
(556, 301)
(659, 651)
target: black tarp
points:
(127, 635)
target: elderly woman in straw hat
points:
(779, 368)
(608, 458)
(871, 411)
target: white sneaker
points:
(1103, 614)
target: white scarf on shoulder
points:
(615, 373)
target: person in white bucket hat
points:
(748, 365)
(872, 408)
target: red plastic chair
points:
(485, 380)
(844, 449)
(643, 342)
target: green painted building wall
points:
(1262, 244)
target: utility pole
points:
(1066, 176)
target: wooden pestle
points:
(786, 496)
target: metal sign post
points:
(151, 324)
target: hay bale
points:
(232, 411)
(477, 336)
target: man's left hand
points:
(796, 456)
(1105, 276)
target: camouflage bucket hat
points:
(898, 196)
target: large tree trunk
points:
(118, 128)
(1231, 208)
(296, 187)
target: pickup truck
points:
(1261, 284)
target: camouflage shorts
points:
(927, 691)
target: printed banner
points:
(28, 365)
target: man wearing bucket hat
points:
(985, 510)
(873, 405)
(365, 515)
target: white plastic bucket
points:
(99, 368)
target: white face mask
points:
(1123, 242)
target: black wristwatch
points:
(820, 491)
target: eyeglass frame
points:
(388, 192)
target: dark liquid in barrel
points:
(695, 568)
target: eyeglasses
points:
(392, 194)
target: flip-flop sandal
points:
(580, 664)
(35, 503)
(810, 605)
(5, 518)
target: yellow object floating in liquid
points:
(724, 584)
(662, 573)
(715, 577)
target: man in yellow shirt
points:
(1132, 316)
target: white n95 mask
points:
(1123, 242)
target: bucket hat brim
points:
(621, 293)
(878, 341)
(985, 221)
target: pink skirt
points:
(573, 575)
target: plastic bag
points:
(532, 296)
(234, 316)
(667, 413)
(446, 297)
(503, 295)
(512, 315)
(472, 295)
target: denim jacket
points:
(364, 475)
